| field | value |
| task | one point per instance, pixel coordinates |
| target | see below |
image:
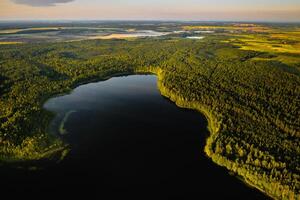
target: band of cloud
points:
(41, 2)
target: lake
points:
(128, 140)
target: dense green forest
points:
(252, 103)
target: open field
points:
(10, 42)
(281, 43)
(230, 27)
(41, 29)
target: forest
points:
(250, 96)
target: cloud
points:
(40, 3)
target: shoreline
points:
(213, 124)
(213, 128)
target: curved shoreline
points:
(213, 124)
(213, 127)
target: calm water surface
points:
(128, 140)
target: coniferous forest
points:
(246, 83)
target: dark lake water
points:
(129, 141)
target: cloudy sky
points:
(243, 10)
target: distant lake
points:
(128, 140)
(56, 34)
(195, 37)
(133, 34)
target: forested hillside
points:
(250, 98)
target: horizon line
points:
(143, 20)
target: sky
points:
(200, 10)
